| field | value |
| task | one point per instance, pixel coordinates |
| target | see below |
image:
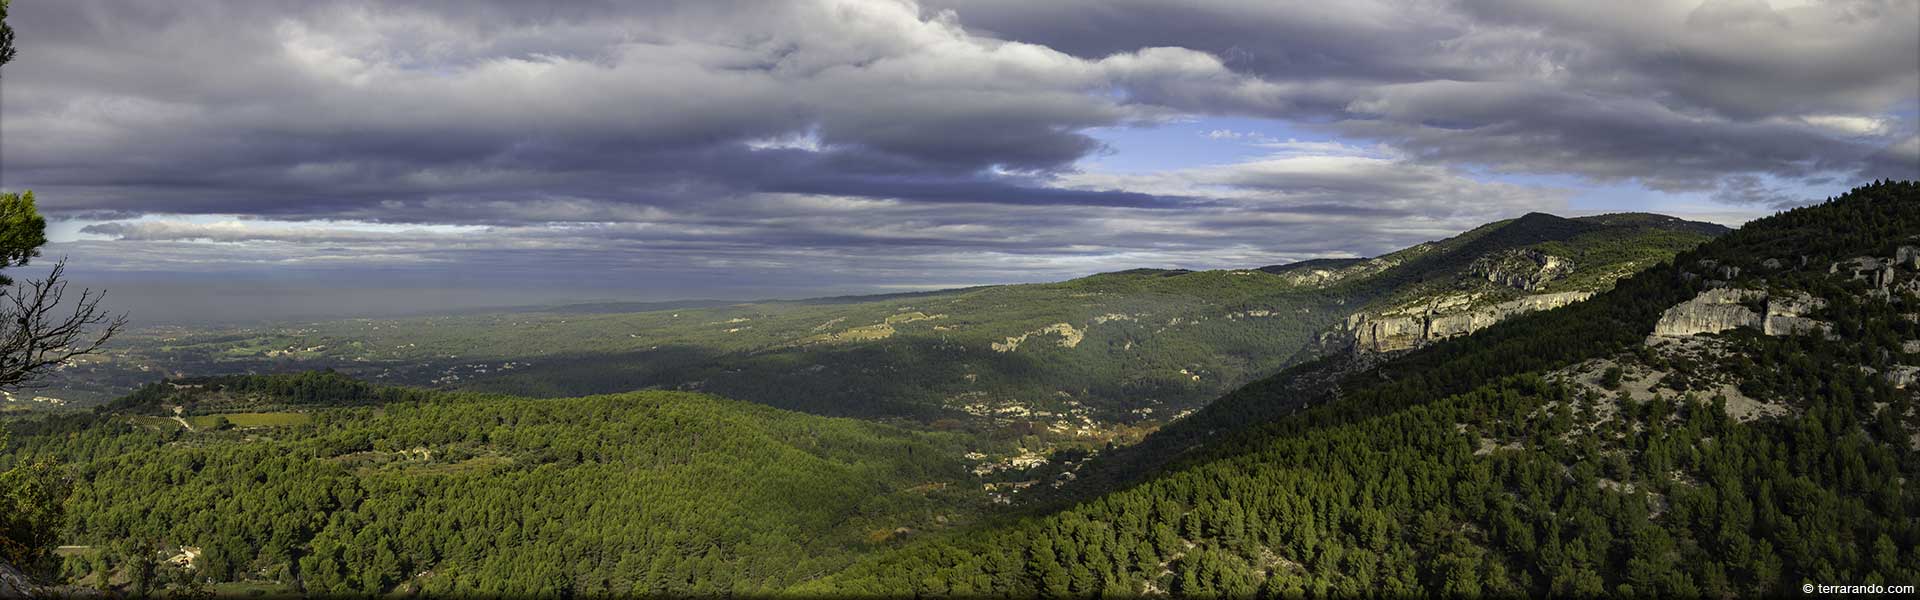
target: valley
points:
(1540, 405)
(1125, 348)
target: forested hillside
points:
(1652, 441)
(320, 484)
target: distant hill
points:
(1314, 264)
(318, 484)
(1734, 423)
(1633, 219)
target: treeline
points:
(310, 389)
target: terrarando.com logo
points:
(1855, 589)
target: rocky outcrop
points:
(1719, 271)
(1786, 315)
(1069, 337)
(1884, 276)
(1323, 272)
(1902, 376)
(1364, 332)
(1525, 269)
(14, 584)
(1876, 272)
(1713, 311)
(1717, 310)
(1313, 277)
(1384, 334)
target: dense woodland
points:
(463, 493)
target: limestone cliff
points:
(1712, 311)
(1391, 332)
(1785, 315)
(1717, 310)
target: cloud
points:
(1266, 210)
(347, 105)
(1749, 190)
(908, 142)
(295, 109)
(1319, 180)
(234, 231)
(1672, 94)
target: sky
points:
(246, 159)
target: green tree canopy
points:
(22, 230)
(6, 35)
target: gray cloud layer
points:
(1675, 94)
(907, 142)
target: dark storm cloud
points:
(941, 141)
(1675, 94)
(357, 102)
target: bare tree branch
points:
(35, 336)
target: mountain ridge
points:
(1564, 452)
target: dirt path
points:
(178, 411)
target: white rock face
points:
(1903, 376)
(1777, 325)
(1069, 337)
(1717, 310)
(1384, 334)
(1713, 311)
(1389, 333)
(1784, 315)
